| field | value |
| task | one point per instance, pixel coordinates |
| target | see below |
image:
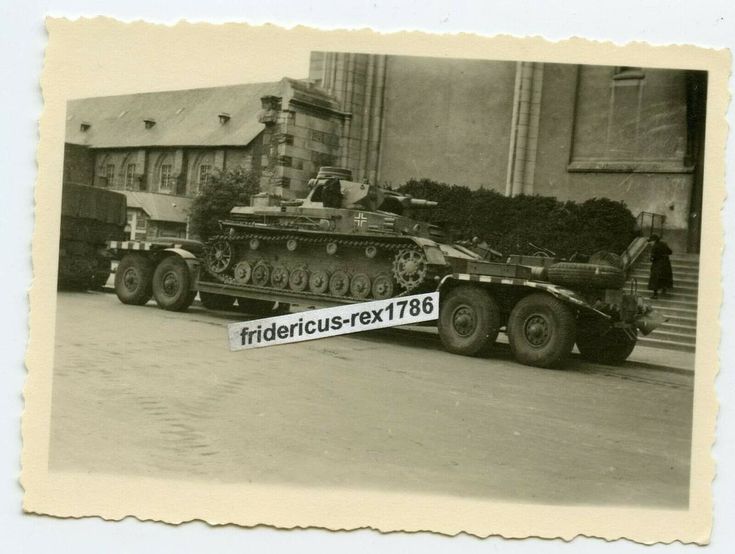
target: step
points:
(681, 321)
(665, 344)
(688, 284)
(671, 303)
(677, 328)
(672, 295)
(689, 313)
(683, 273)
(673, 337)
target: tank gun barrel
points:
(421, 203)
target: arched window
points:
(202, 170)
(164, 175)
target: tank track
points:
(334, 266)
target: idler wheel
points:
(339, 283)
(261, 274)
(219, 256)
(279, 277)
(299, 279)
(319, 281)
(409, 268)
(382, 286)
(242, 273)
(360, 286)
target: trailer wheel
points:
(469, 321)
(172, 285)
(609, 345)
(133, 279)
(541, 330)
(213, 301)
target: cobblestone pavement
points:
(141, 391)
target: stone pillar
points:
(524, 128)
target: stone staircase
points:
(680, 307)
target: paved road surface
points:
(141, 391)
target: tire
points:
(172, 284)
(578, 275)
(261, 308)
(213, 301)
(603, 344)
(541, 330)
(469, 321)
(603, 257)
(133, 279)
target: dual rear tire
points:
(137, 279)
(541, 329)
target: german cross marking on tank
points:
(360, 219)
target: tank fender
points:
(563, 294)
(434, 255)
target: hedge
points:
(509, 224)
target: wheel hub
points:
(463, 320)
(170, 284)
(130, 279)
(537, 331)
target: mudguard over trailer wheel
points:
(541, 330)
(604, 345)
(172, 284)
(133, 279)
(469, 321)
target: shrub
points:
(223, 191)
(509, 224)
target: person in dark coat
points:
(661, 278)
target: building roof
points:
(160, 207)
(182, 117)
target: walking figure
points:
(661, 275)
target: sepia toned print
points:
(564, 375)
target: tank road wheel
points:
(172, 285)
(541, 330)
(261, 274)
(219, 256)
(279, 276)
(382, 286)
(242, 273)
(603, 344)
(360, 286)
(409, 268)
(319, 281)
(213, 301)
(339, 283)
(133, 279)
(469, 321)
(299, 279)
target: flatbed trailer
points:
(543, 320)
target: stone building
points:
(570, 131)
(160, 148)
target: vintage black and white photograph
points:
(556, 208)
